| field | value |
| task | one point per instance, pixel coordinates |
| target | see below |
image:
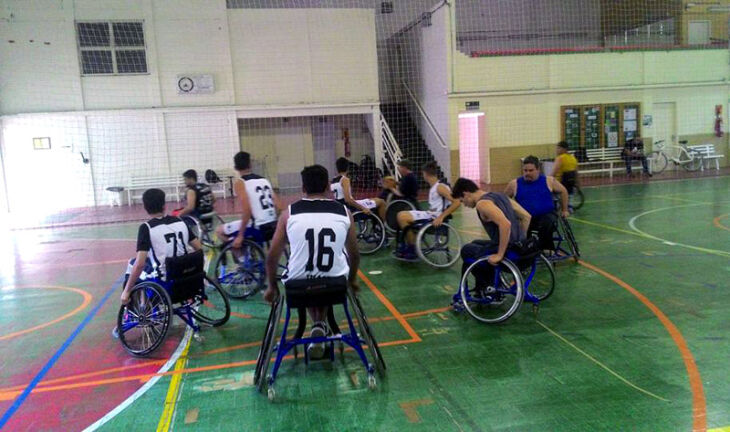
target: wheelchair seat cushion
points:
(186, 273)
(316, 292)
(527, 249)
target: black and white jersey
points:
(164, 238)
(317, 232)
(338, 190)
(260, 198)
(203, 198)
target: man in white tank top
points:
(322, 241)
(341, 188)
(438, 195)
(258, 200)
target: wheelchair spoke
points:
(491, 302)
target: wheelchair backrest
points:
(316, 292)
(186, 274)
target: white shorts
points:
(421, 215)
(233, 227)
(367, 203)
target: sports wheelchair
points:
(321, 292)
(566, 246)
(372, 232)
(242, 272)
(202, 226)
(186, 292)
(524, 274)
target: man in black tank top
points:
(504, 220)
(199, 197)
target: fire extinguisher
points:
(718, 121)
(346, 140)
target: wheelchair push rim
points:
(438, 247)
(499, 300)
(143, 323)
(211, 306)
(241, 272)
(367, 333)
(370, 232)
(391, 213)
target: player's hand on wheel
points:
(271, 294)
(238, 242)
(495, 259)
(437, 222)
(124, 297)
(355, 287)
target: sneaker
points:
(316, 350)
(115, 332)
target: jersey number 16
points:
(325, 254)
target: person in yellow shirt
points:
(565, 168)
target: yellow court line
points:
(173, 391)
(720, 429)
(603, 366)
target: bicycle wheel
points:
(438, 247)
(495, 300)
(241, 272)
(144, 321)
(370, 232)
(212, 305)
(577, 198)
(542, 284)
(694, 163)
(657, 162)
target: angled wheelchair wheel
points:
(567, 233)
(370, 232)
(542, 284)
(439, 247)
(496, 299)
(267, 345)
(577, 198)
(367, 333)
(241, 272)
(212, 305)
(391, 213)
(143, 322)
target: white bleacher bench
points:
(708, 154)
(174, 184)
(604, 160)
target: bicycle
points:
(680, 155)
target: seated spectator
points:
(634, 150)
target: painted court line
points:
(718, 222)
(49, 364)
(147, 385)
(87, 299)
(699, 406)
(603, 366)
(173, 392)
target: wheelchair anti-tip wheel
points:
(542, 284)
(143, 323)
(495, 300)
(241, 272)
(211, 305)
(391, 213)
(439, 247)
(370, 232)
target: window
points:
(109, 48)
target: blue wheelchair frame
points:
(184, 311)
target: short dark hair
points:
(242, 161)
(191, 174)
(154, 201)
(461, 186)
(532, 160)
(563, 145)
(430, 168)
(342, 164)
(315, 179)
(405, 163)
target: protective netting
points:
(120, 95)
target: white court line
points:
(632, 224)
(142, 390)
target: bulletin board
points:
(600, 125)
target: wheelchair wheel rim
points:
(542, 284)
(438, 247)
(241, 272)
(370, 233)
(391, 213)
(143, 323)
(211, 306)
(497, 301)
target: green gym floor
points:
(635, 337)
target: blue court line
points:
(49, 364)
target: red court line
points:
(717, 222)
(87, 299)
(699, 408)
